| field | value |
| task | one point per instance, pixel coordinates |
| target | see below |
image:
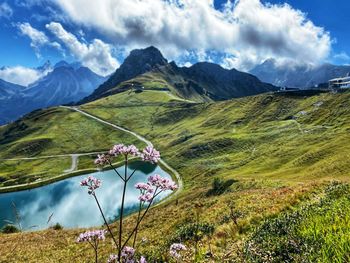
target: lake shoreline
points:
(36, 184)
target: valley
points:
(275, 151)
(174, 131)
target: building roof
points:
(339, 79)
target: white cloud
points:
(343, 56)
(97, 55)
(22, 75)
(5, 10)
(38, 38)
(248, 31)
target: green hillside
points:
(270, 135)
(271, 154)
(51, 132)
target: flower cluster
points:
(149, 154)
(176, 248)
(91, 183)
(112, 258)
(91, 236)
(147, 197)
(162, 183)
(102, 159)
(146, 192)
(128, 253)
(128, 256)
(124, 149)
(144, 187)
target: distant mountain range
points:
(201, 82)
(8, 90)
(298, 76)
(66, 83)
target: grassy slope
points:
(163, 79)
(53, 131)
(277, 137)
(281, 150)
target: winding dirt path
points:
(52, 156)
(75, 157)
(75, 161)
(141, 138)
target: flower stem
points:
(115, 170)
(122, 209)
(96, 255)
(138, 219)
(131, 174)
(104, 219)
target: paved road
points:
(162, 162)
(52, 156)
(75, 161)
(75, 156)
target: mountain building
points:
(339, 83)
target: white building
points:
(339, 83)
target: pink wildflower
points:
(89, 236)
(149, 154)
(175, 250)
(91, 183)
(146, 197)
(112, 258)
(102, 159)
(162, 183)
(143, 187)
(125, 150)
(128, 254)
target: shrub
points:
(9, 229)
(57, 226)
(220, 186)
(193, 232)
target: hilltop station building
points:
(339, 83)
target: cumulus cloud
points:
(22, 75)
(342, 56)
(97, 55)
(38, 38)
(248, 31)
(5, 10)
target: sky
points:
(235, 34)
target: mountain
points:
(299, 76)
(63, 85)
(138, 62)
(66, 83)
(7, 89)
(46, 67)
(203, 81)
(218, 83)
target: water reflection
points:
(70, 205)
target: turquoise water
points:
(67, 203)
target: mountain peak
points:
(147, 57)
(62, 63)
(138, 62)
(46, 66)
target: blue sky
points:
(239, 35)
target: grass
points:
(255, 135)
(280, 152)
(54, 131)
(318, 232)
(28, 171)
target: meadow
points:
(249, 165)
